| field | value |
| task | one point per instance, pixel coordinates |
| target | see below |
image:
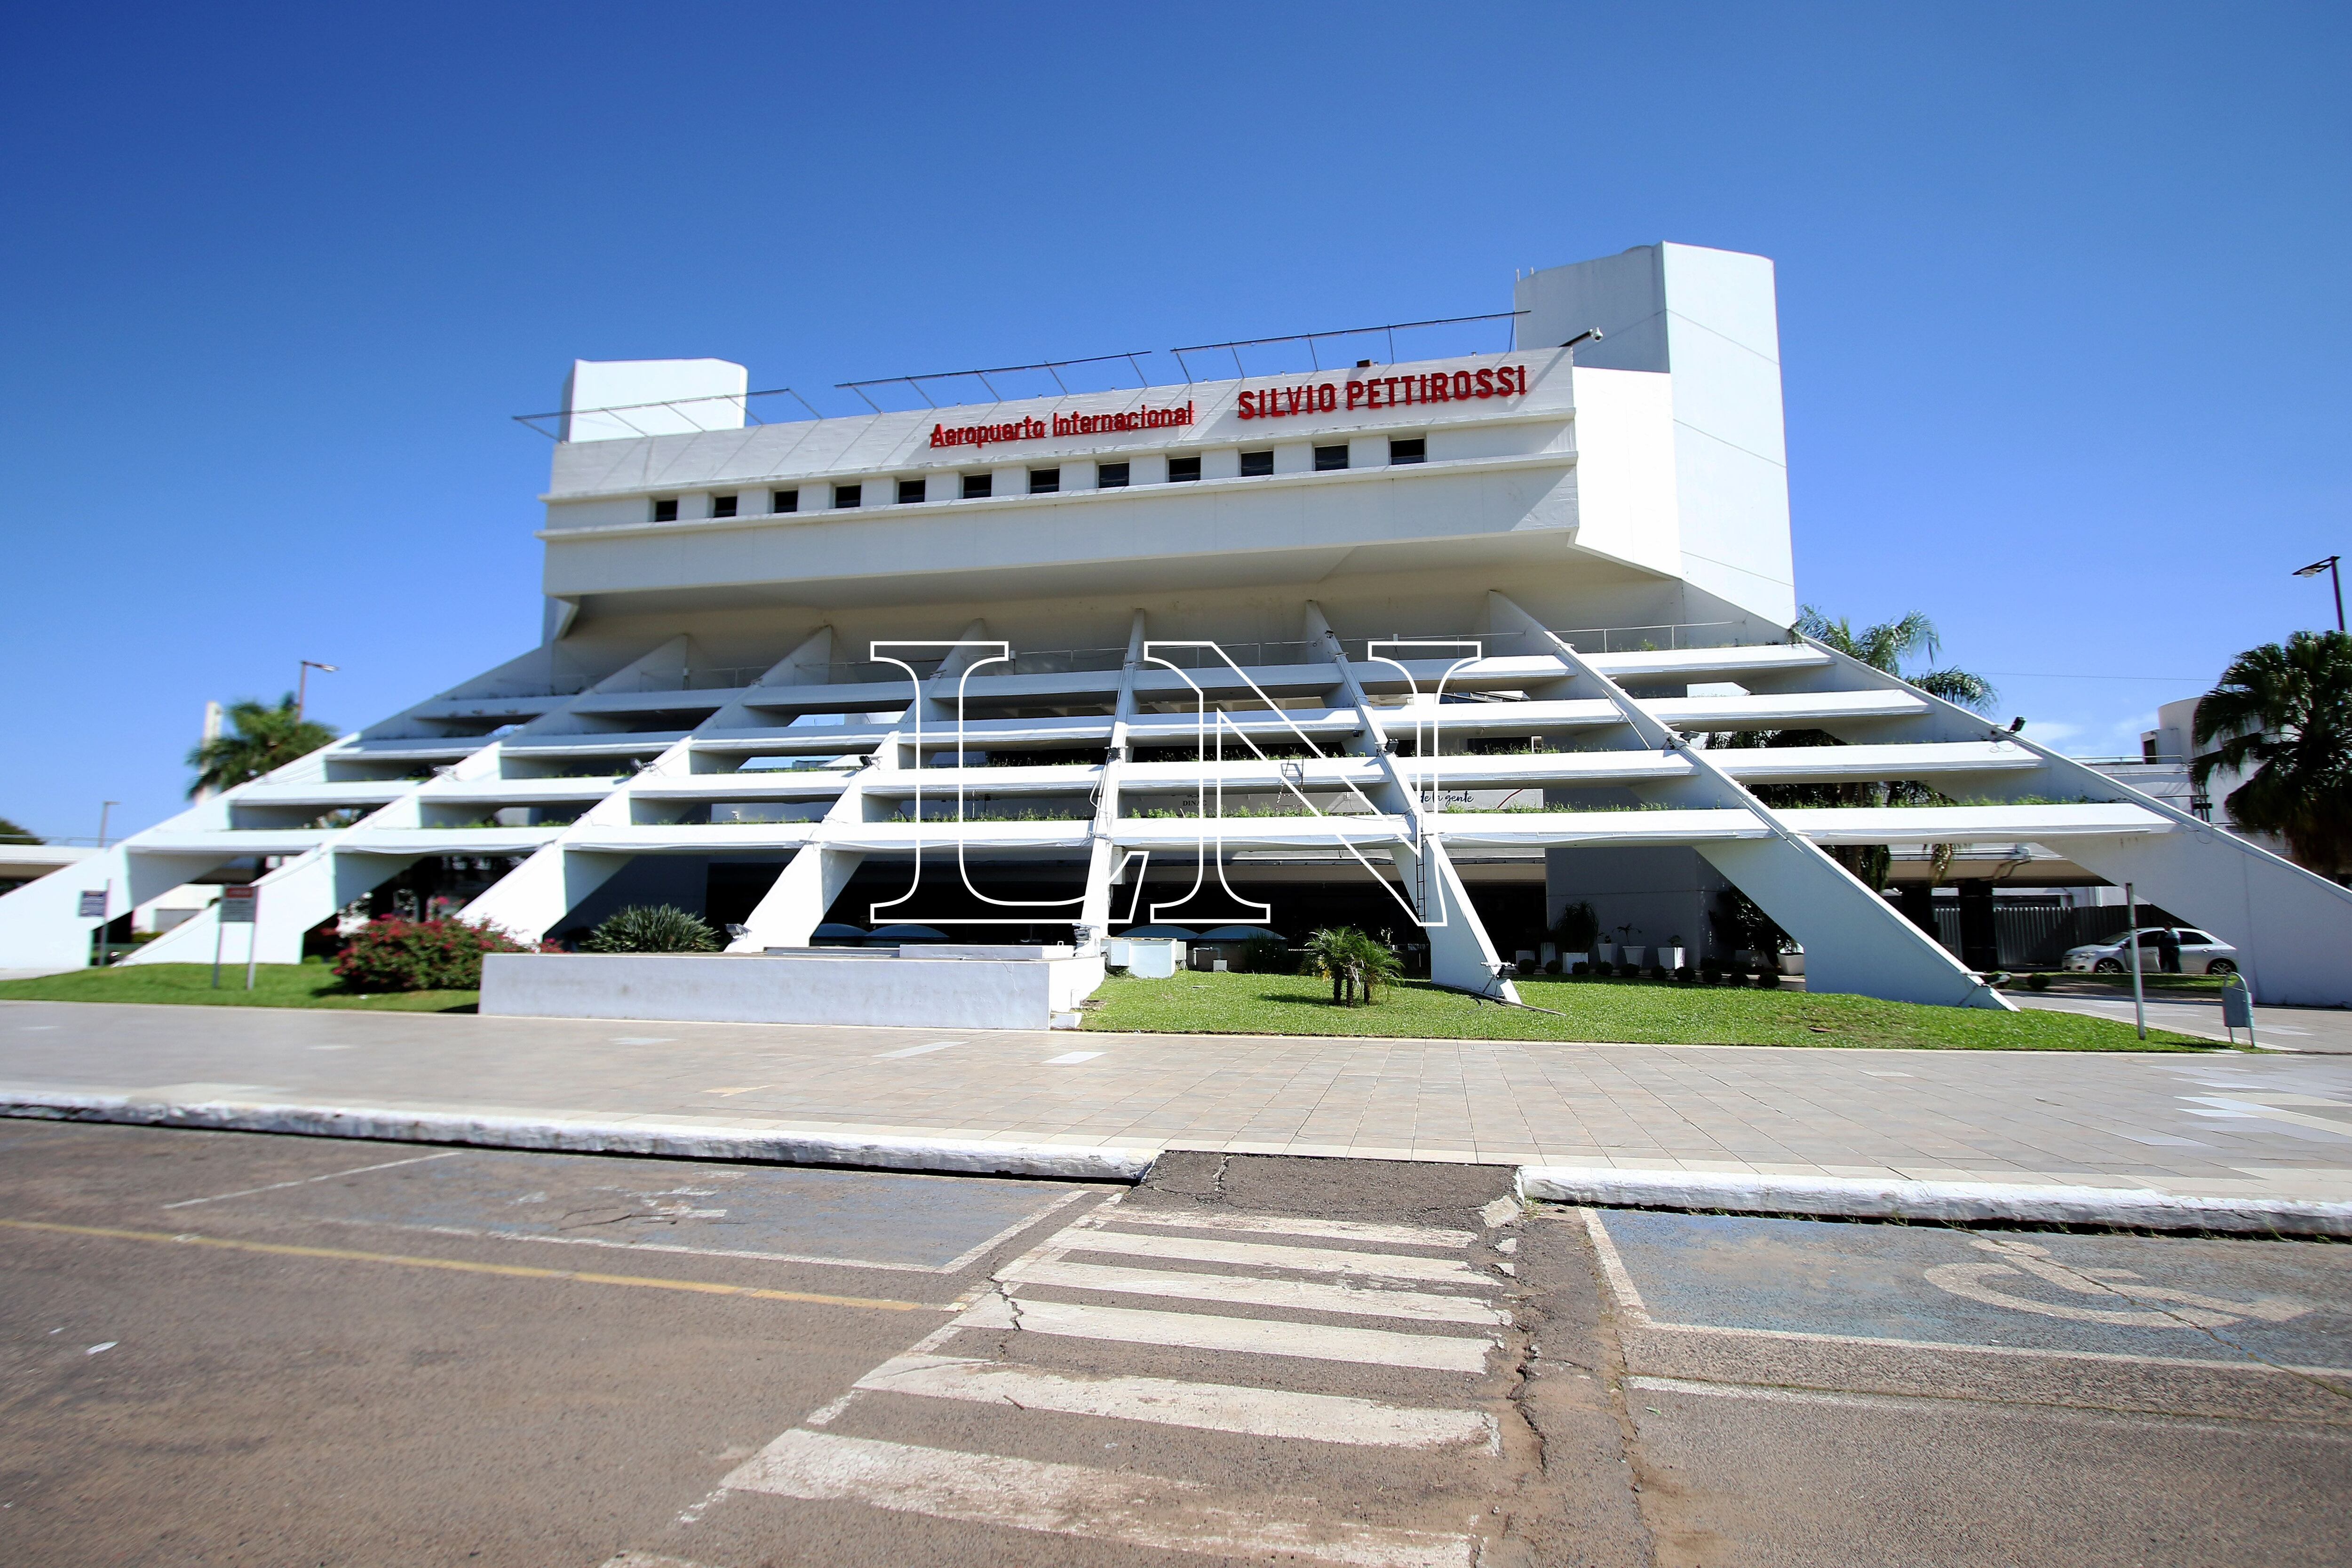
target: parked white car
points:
(2201, 952)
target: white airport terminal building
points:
(1436, 648)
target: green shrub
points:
(653, 928)
(2037, 981)
(1354, 961)
(396, 954)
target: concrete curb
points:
(587, 1136)
(1848, 1197)
(1830, 1197)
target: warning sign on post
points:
(238, 904)
(93, 905)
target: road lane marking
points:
(1208, 1332)
(1943, 1406)
(1169, 1402)
(917, 1051)
(1281, 1224)
(1313, 1259)
(306, 1181)
(1299, 1295)
(1080, 1500)
(461, 1266)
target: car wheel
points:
(2221, 966)
(2109, 966)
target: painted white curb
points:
(588, 1136)
(1850, 1197)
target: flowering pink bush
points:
(395, 954)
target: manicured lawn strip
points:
(311, 985)
(1628, 1012)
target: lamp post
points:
(2335, 577)
(104, 806)
(302, 684)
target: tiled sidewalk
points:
(2222, 1126)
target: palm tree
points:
(260, 741)
(1351, 961)
(12, 834)
(1888, 644)
(1883, 646)
(2282, 713)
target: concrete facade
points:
(1375, 645)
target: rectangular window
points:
(910, 493)
(1110, 476)
(845, 496)
(783, 500)
(1182, 469)
(1256, 463)
(1045, 481)
(1329, 457)
(722, 506)
(665, 510)
(979, 487)
(1408, 449)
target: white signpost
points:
(238, 906)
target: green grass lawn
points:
(307, 985)
(1633, 1012)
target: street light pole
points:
(103, 808)
(2335, 576)
(302, 684)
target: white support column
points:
(2292, 928)
(1461, 956)
(1855, 940)
(529, 901)
(1094, 915)
(795, 904)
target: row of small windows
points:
(1045, 481)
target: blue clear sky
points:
(2063, 296)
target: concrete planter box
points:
(816, 987)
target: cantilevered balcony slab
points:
(231, 842)
(321, 795)
(1251, 772)
(1181, 833)
(809, 783)
(420, 841)
(688, 837)
(591, 744)
(1559, 829)
(902, 837)
(1844, 765)
(1708, 664)
(506, 791)
(942, 783)
(1555, 769)
(1964, 824)
(1783, 712)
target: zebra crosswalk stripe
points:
(1303, 1294)
(1082, 1500)
(1173, 1402)
(1210, 1332)
(1263, 1255)
(1111, 1252)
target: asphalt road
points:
(222, 1348)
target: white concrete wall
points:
(1710, 319)
(911, 993)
